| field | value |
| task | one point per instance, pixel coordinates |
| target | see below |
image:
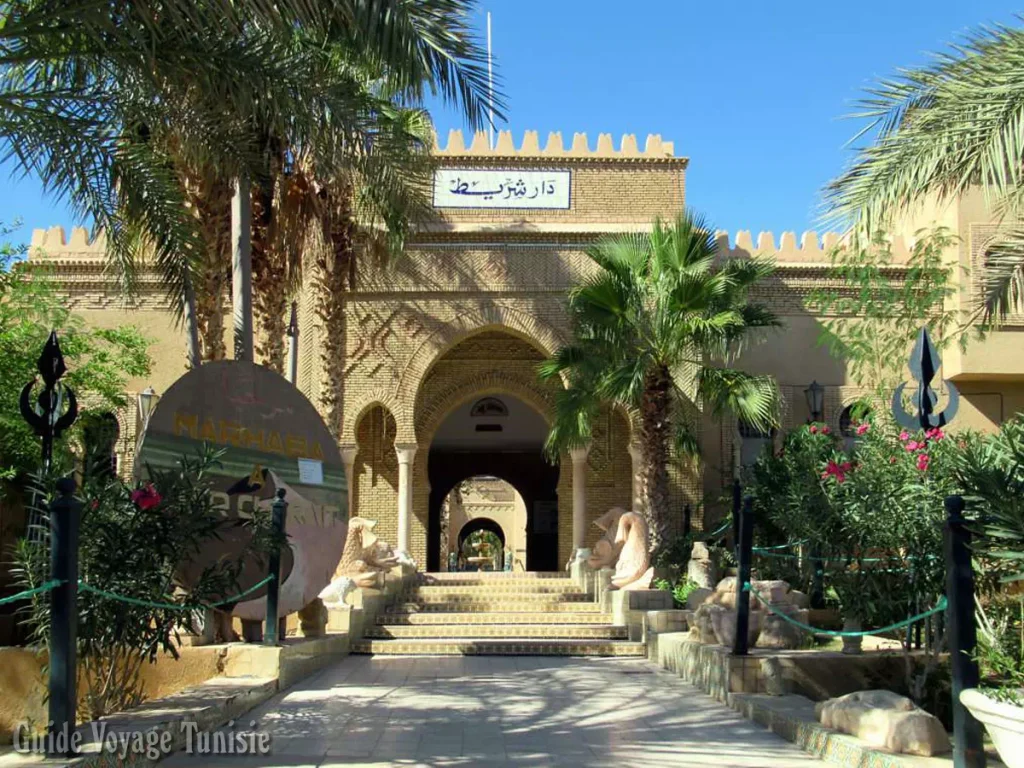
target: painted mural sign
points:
(483, 188)
(271, 437)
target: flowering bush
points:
(133, 542)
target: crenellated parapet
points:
(811, 248)
(52, 245)
(655, 148)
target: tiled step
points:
(497, 606)
(431, 595)
(503, 631)
(434, 618)
(492, 647)
(499, 590)
(493, 576)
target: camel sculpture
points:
(633, 569)
(606, 551)
(363, 560)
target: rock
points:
(778, 633)
(700, 551)
(886, 720)
(697, 597)
(799, 599)
(775, 683)
(728, 584)
(702, 628)
(723, 624)
(702, 572)
(773, 591)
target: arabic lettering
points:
(512, 188)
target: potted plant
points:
(991, 471)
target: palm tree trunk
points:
(195, 356)
(270, 295)
(335, 270)
(655, 429)
(241, 268)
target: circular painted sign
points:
(270, 437)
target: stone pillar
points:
(406, 453)
(579, 497)
(348, 457)
(636, 455)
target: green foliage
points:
(1000, 652)
(100, 361)
(137, 550)
(682, 591)
(991, 472)
(877, 312)
(938, 131)
(655, 329)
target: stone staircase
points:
(502, 614)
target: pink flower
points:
(922, 461)
(825, 430)
(146, 497)
(814, 429)
(836, 470)
(904, 435)
(912, 446)
(862, 429)
(935, 434)
(892, 459)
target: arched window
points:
(100, 433)
(850, 419)
(752, 442)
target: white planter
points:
(1004, 723)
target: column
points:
(348, 457)
(406, 453)
(579, 496)
(636, 455)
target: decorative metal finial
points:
(48, 417)
(924, 366)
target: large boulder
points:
(701, 628)
(697, 598)
(702, 572)
(723, 623)
(885, 720)
(778, 633)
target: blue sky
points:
(752, 92)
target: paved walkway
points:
(504, 711)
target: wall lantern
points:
(815, 395)
(147, 401)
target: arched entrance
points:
(499, 436)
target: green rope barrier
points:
(45, 587)
(720, 530)
(761, 551)
(939, 608)
(781, 546)
(171, 606)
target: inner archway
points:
(488, 442)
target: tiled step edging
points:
(500, 631)
(792, 718)
(489, 647)
(428, 618)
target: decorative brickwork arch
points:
(491, 317)
(362, 406)
(436, 407)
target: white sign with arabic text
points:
(476, 188)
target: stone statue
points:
(364, 559)
(633, 569)
(607, 549)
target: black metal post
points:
(746, 544)
(270, 630)
(968, 748)
(736, 491)
(65, 512)
(817, 596)
(686, 520)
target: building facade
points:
(440, 381)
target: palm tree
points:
(108, 102)
(939, 130)
(655, 327)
